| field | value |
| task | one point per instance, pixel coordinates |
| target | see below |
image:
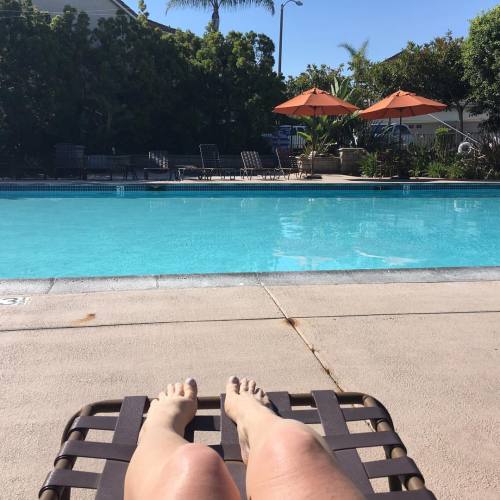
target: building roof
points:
(395, 56)
(132, 13)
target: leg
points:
(165, 466)
(285, 458)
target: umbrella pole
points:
(402, 170)
(400, 125)
(313, 152)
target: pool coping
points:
(354, 184)
(290, 278)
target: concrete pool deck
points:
(429, 351)
(325, 179)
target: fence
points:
(454, 139)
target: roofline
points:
(395, 56)
(132, 13)
(123, 6)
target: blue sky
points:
(313, 32)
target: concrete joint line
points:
(293, 323)
(52, 283)
(141, 323)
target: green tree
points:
(70, 80)
(482, 64)
(360, 68)
(217, 5)
(27, 63)
(322, 77)
(238, 88)
(434, 70)
(143, 9)
(129, 85)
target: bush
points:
(370, 166)
(459, 169)
(444, 145)
(419, 157)
(437, 169)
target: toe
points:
(190, 388)
(179, 389)
(244, 385)
(170, 389)
(162, 395)
(233, 385)
(251, 386)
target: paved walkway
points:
(429, 351)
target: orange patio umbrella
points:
(401, 104)
(315, 102)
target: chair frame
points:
(252, 165)
(332, 410)
(288, 164)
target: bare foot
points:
(173, 410)
(245, 404)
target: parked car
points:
(391, 133)
(287, 137)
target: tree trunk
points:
(460, 110)
(215, 17)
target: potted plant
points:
(320, 148)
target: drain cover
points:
(13, 301)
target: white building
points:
(427, 125)
(95, 9)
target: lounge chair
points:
(252, 165)
(333, 411)
(158, 163)
(288, 164)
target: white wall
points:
(425, 124)
(94, 8)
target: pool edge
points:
(150, 282)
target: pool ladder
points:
(120, 191)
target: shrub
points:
(444, 144)
(459, 170)
(419, 156)
(437, 169)
(370, 166)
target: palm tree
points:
(361, 70)
(216, 5)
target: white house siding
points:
(425, 124)
(94, 8)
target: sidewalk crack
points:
(293, 323)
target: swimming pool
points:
(119, 232)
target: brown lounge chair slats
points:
(331, 410)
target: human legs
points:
(285, 458)
(165, 466)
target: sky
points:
(313, 32)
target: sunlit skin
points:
(285, 458)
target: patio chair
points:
(252, 165)
(333, 411)
(287, 164)
(210, 161)
(158, 163)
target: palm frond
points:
(202, 4)
(364, 47)
(350, 48)
(267, 4)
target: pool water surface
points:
(62, 234)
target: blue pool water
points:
(56, 234)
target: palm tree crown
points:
(216, 5)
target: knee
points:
(195, 457)
(292, 438)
